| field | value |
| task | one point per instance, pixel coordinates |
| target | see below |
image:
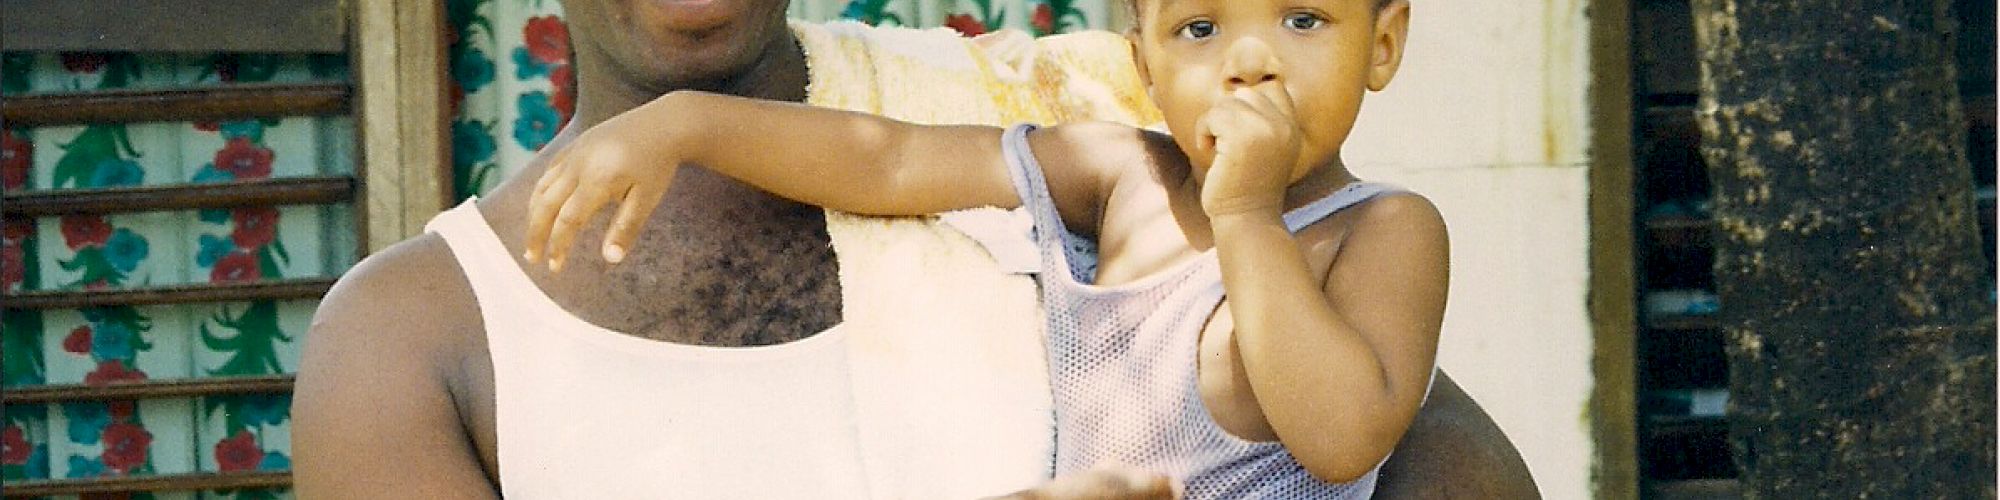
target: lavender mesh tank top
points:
(1122, 360)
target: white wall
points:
(1489, 118)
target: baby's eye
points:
(1303, 21)
(1198, 30)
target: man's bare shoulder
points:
(384, 400)
(411, 295)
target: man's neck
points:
(780, 74)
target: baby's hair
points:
(1132, 7)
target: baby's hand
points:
(1256, 142)
(614, 161)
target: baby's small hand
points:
(604, 165)
(1256, 142)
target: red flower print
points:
(13, 258)
(547, 39)
(17, 230)
(1044, 19)
(14, 446)
(84, 62)
(237, 266)
(244, 159)
(121, 411)
(965, 24)
(85, 230)
(255, 227)
(564, 99)
(111, 372)
(238, 452)
(13, 266)
(208, 126)
(457, 97)
(125, 446)
(78, 341)
(16, 157)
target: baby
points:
(1226, 303)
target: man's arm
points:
(374, 410)
(1454, 450)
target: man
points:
(397, 394)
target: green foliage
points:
(21, 349)
(464, 15)
(268, 259)
(82, 155)
(254, 346)
(94, 267)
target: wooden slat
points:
(169, 482)
(1673, 125)
(1682, 322)
(150, 389)
(208, 103)
(1680, 231)
(1695, 489)
(187, 294)
(252, 193)
(1665, 426)
(174, 25)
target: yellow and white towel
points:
(950, 377)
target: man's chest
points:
(756, 281)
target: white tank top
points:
(587, 412)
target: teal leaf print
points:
(472, 69)
(538, 121)
(86, 421)
(16, 69)
(875, 12)
(125, 250)
(81, 467)
(117, 172)
(472, 149)
(248, 129)
(526, 67)
(463, 16)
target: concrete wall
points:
(1489, 118)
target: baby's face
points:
(1326, 53)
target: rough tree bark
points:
(1854, 292)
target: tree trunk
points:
(1855, 295)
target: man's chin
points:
(708, 70)
(691, 16)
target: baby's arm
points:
(841, 160)
(1338, 360)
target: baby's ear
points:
(1138, 58)
(1392, 31)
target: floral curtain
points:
(102, 345)
(511, 74)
